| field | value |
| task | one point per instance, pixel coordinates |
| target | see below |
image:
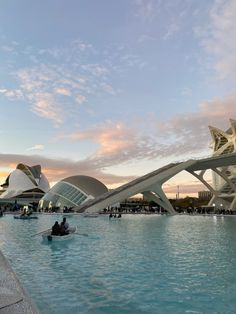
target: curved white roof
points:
(88, 185)
(73, 191)
(21, 180)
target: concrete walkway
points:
(13, 298)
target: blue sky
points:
(114, 89)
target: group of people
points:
(60, 229)
(114, 215)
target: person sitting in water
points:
(64, 227)
(56, 229)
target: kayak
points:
(25, 217)
(47, 235)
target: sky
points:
(114, 89)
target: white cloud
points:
(95, 69)
(44, 106)
(108, 88)
(43, 84)
(7, 48)
(10, 47)
(80, 99)
(132, 60)
(145, 38)
(53, 73)
(173, 28)
(218, 38)
(189, 131)
(81, 45)
(63, 91)
(146, 9)
(36, 147)
(12, 94)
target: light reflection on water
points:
(138, 264)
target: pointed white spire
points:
(219, 137)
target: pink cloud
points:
(63, 91)
(182, 135)
(111, 137)
(58, 169)
(117, 143)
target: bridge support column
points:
(157, 195)
(232, 205)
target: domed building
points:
(71, 192)
(25, 185)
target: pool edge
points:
(10, 287)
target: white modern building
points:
(25, 185)
(72, 191)
(224, 179)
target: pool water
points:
(136, 264)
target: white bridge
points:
(150, 185)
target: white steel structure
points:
(224, 142)
(150, 185)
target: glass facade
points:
(63, 194)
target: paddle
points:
(41, 232)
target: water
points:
(137, 264)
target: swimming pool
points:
(136, 264)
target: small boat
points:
(46, 235)
(25, 217)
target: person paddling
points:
(56, 229)
(64, 227)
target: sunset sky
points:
(114, 89)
